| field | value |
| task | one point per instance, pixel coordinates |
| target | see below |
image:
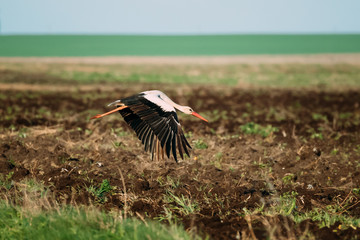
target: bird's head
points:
(189, 110)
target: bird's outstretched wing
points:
(158, 130)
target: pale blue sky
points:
(179, 17)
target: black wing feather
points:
(174, 147)
(152, 124)
(180, 146)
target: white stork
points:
(152, 115)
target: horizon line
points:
(178, 34)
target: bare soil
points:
(47, 135)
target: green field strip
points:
(200, 45)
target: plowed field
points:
(270, 162)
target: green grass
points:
(101, 191)
(256, 129)
(286, 205)
(78, 223)
(137, 45)
(28, 211)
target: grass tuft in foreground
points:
(29, 211)
(79, 223)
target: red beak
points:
(198, 116)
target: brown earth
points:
(330, 58)
(47, 135)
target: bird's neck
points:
(175, 105)
(179, 107)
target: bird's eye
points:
(191, 110)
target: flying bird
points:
(152, 115)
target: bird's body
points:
(152, 115)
